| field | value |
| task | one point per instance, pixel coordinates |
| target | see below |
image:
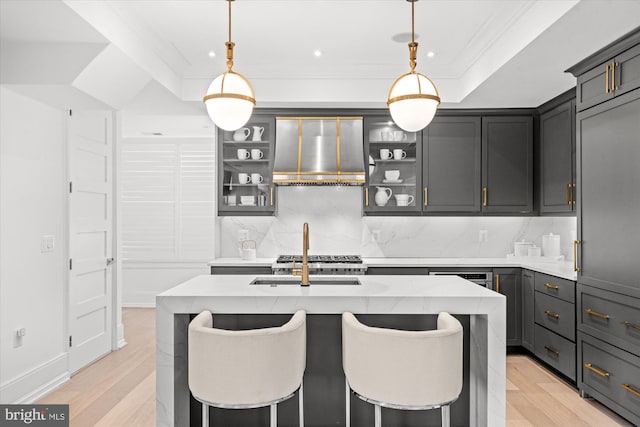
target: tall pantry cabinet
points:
(608, 210)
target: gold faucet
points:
(303, 272)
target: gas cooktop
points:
(329, 259)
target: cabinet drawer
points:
(609, 316)
(551, 285)
(612, 373)
(556, 314)
(558, 352)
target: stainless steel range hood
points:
(319, 151)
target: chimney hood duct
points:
(319, 151)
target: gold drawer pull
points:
(366, 196)
(607, 87)
(550, 286)
(426, 196)
(552, 351)
(270, 196)
(575, 255)
(484, 196)
(630, 325)
(568, 194)
(590, 367)
(595, 313)
(550, 314)
(630, 389)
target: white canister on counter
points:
(533, 251)
(521, 248)
(249, 252)
(551, 245)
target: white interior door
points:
(90, 240)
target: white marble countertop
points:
(319, 298)
(563, 269)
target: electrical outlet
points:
(483, 236)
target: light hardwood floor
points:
(119, 389)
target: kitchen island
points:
(380, 296)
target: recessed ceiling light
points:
(317, 52)
(212, 54)
(431, 54)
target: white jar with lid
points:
(521, 248)
(551, 245)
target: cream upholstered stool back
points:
(403, 369)
(246, 369)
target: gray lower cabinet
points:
(557, 165)
(557, 351)
(451, 165)
(555, 322)
(528, 294)
(507, 281)
(611, 375)
(507, 164)
(608, 200)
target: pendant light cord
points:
(413, 46)
(229, 43)
(412, 23)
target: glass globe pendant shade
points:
(413, 101)
(230, 101)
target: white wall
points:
(32, 283)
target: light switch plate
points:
(47, 243)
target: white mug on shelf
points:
(404, 199)
(244, 178)
(256, 154)
(399, 154)
(385, 154)
(243, 154)
(398, 135)
(256, 178)
(392, 175)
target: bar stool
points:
(246, 369)
(403, 369)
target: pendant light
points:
(413, 98)
(230, 99)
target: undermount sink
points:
(276, 281)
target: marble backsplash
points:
(337, 226)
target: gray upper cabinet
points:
(557, 166)
(507, 164)
(452, 165)
(245, 168)
(608, 194)
(612, 71)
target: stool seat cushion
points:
(246, 368)
(404, 368)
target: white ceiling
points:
(488, 53)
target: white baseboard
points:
(36, 383)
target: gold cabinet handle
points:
(595, 313)
(630, 325)
(551, 314)
(607, 86)
(590, 367)
(270, 196)
(568, 194)
(614, 87)
(630, 389)
(497, 283)
(550, 286)
(573, 194)
(366, 196)
(575, 255)
(426, 196)
(552, 351)
(484, 196)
